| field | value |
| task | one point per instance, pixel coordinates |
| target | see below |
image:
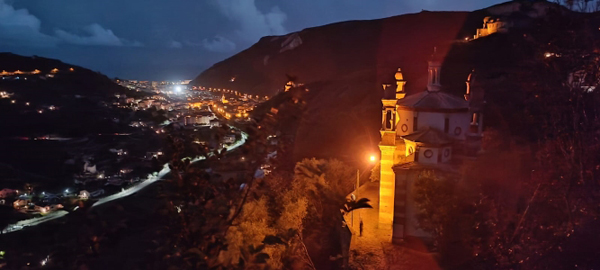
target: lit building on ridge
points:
(491, 26)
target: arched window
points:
(475, 120)
(457, 131)
(388, 120)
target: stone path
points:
(372, 250)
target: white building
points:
(215, 123)
(189, 120)
(421, 131)
(204, 120)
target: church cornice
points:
(440, 110)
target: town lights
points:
(178, 89)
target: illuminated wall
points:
(387, 186)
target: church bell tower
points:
(434, 67)
(387, 146)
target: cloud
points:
(219, 44)
(95, 34)
(175, 44)
(253, 24)
(19, 27)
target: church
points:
(430, 130)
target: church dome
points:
(433, 101)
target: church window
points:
(457, 131)
(475, 120)
(415, 123)
(388, 120)
(428, 153)
(446, 125)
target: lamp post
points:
(372, 160)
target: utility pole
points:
(357, 187)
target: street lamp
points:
(372, 160)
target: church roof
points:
(434, 100)
(429, 136)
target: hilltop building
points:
(289, 85)
(431, 130)
(491, 26)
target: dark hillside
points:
(58, 99)
(344, 64)
(79, 80)
(52, 113)
(338, 50)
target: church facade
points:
(431, 130)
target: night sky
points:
(176, 39)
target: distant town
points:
(112, 165)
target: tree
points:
(214, 222)
(325, 184)
(375, 173)
(532, 194)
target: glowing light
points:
(178, 89)
(67, 190)
(45, 260)
(372, 158)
